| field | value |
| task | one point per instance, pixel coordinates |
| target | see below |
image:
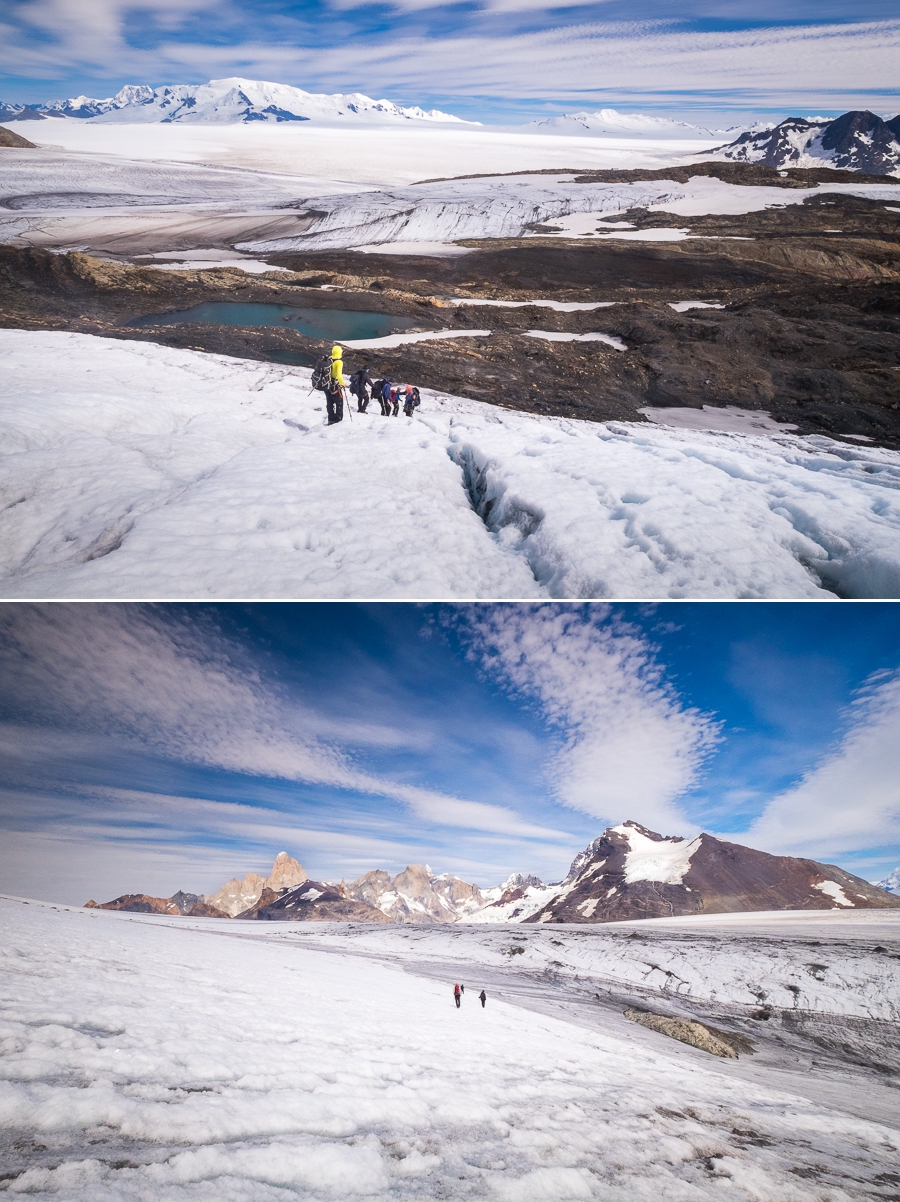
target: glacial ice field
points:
(182, 1060)
(138, 206)
(136, 470)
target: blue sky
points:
(155, 748)
(495, 60)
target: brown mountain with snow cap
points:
(630, 872)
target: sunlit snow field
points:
(131, 469)
(146, 1058)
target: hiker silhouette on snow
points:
(482, 997)
(456, 994)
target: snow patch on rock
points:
(833, 890)
(665, 860)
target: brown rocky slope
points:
(630, 872)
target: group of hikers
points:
(459, 990)
(328, 377)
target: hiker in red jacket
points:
(456, 995)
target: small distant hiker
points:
(334, 397)
(360, 382)
(395, 398)
(456, 993)
(462, 989)
(482, 997)
(411, 400)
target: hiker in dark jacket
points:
(358, 387)
(360, 383)
(482, 997)
(411, 400)
(382, 389)
(456, 995)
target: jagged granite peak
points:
(234, 100)
(286, 872)
(631, 872)
(855, 141)
(891, 882)
(237, 895)
(232, 899)
(417, 895)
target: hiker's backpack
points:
(321, 377)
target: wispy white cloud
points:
(489, 52)
(850, 798)
(177, 686)
(628, 747)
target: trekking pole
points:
(347, 404)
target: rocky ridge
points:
(628, 873)
(16, 141)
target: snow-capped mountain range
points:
(611, 123)
(627, 873)
(855, 141)
(224, 101)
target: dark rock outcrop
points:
(179, 903)
(313, 901)
(855, 141)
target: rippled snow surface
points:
(144, 1059)
(131, 469)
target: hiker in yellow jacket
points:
(334, 397)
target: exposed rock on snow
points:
(8, 138)
(697, 1034)
(631, 872)
(233, 100)
(856, 141)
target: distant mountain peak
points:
(891, 882)
(632, 872)
(855, 141)
(612, 123)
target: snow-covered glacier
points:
(131, 469)
(160, 1058)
